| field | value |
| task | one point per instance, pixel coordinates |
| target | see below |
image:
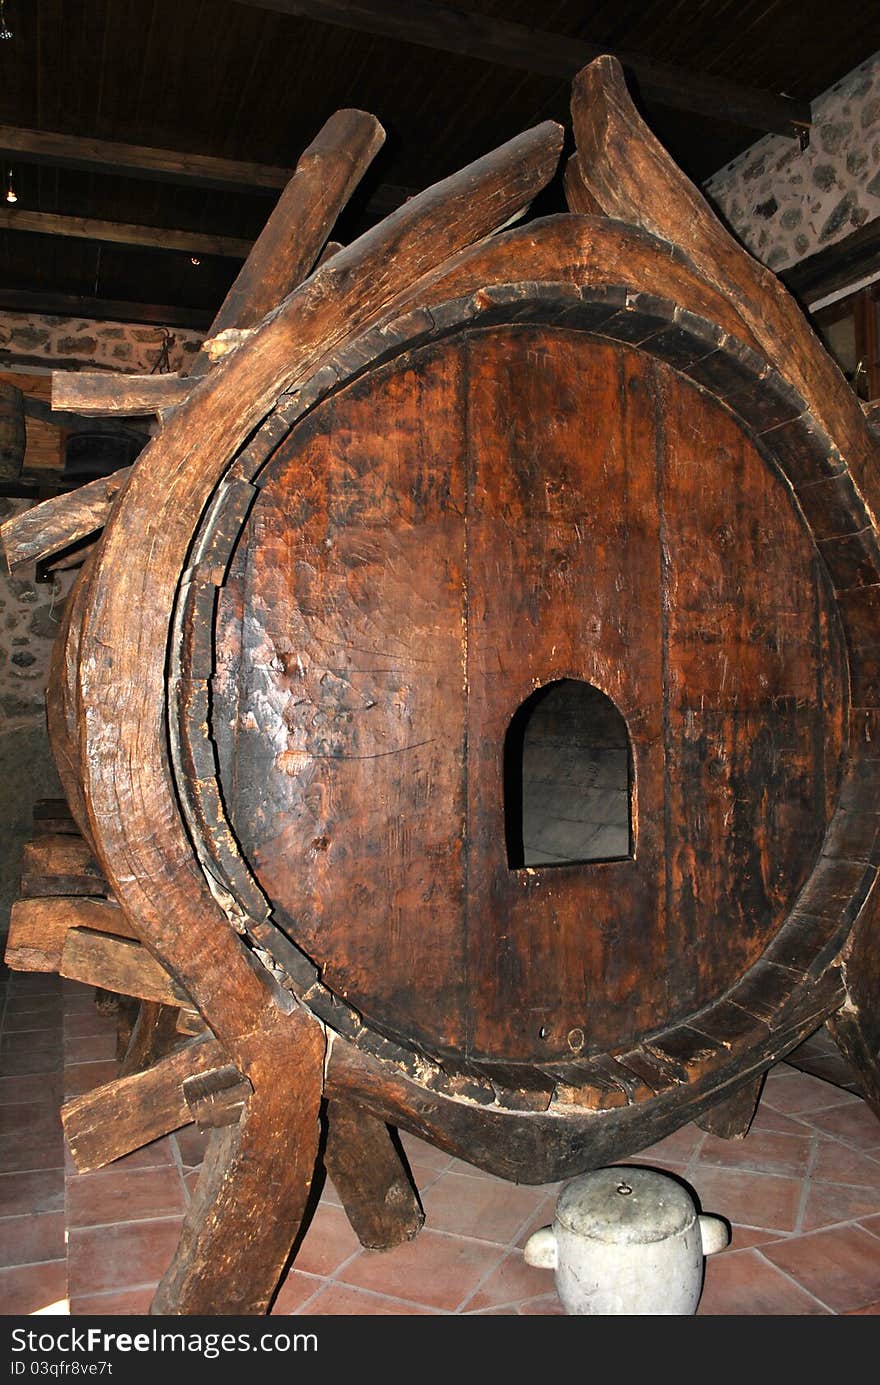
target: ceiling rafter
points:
(553, 55)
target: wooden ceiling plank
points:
(118, 233)
(554, 55)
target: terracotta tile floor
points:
(802, 1192)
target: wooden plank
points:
(55, 524)
(38, 928)
(118, 233)
(521, 47)
(121, 1116)
(117, 964)
(96, 393)
(325, 177)
(59, 864)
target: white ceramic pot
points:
(627, 1240)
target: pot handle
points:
(715, 1234)
(541, 1249)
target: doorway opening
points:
(567, 779)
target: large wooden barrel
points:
(12, 431)
(485, 517)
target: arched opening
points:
(567, 779)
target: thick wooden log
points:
(121, 1116)
(60, 864)
(326, 175)
(254, 1185)
(371, 1177)
(622, 168)
(55, 524)
(154, 1034)
(100, 393)
(731, 1118)
(121, 670)
(117, 964)
(38, 928)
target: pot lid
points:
(625, 1205)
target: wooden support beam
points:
(118, 964)
(57, 523)
(553, 55)
(119, 233)
(218, 1097)
(59, 864)
(113, 1120)
(326, 175)
(104, 309)
(38, 928)
(100, 393)
(135, 160)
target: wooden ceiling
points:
(251, 81)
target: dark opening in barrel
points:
(567, 778)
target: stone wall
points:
(786, 203)
(75, 343)
(29, 618)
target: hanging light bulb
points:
(5, 31)
(11, 194)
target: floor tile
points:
(192, 1143)
(855, 1125)
(40, 1190)
(27, 1240)
(85, 1077)
(829, 1203)
(766, 1201)
(793, 1093)
(337, 1299)
(744, 1285)
(871, 1224)
(837, 1163)
(89, 1048)
(761, 1150)
(414, 1148)
(21, 1088)
(33, 1288)
(329, 1240)
(679, 1146)
(510, 1283)
(546, 1307)
(296, 1289)
(434, 1270)
(841, 1267)
(126, 1302)
(487, 1209)
(129, 1194)
(122, 1256)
